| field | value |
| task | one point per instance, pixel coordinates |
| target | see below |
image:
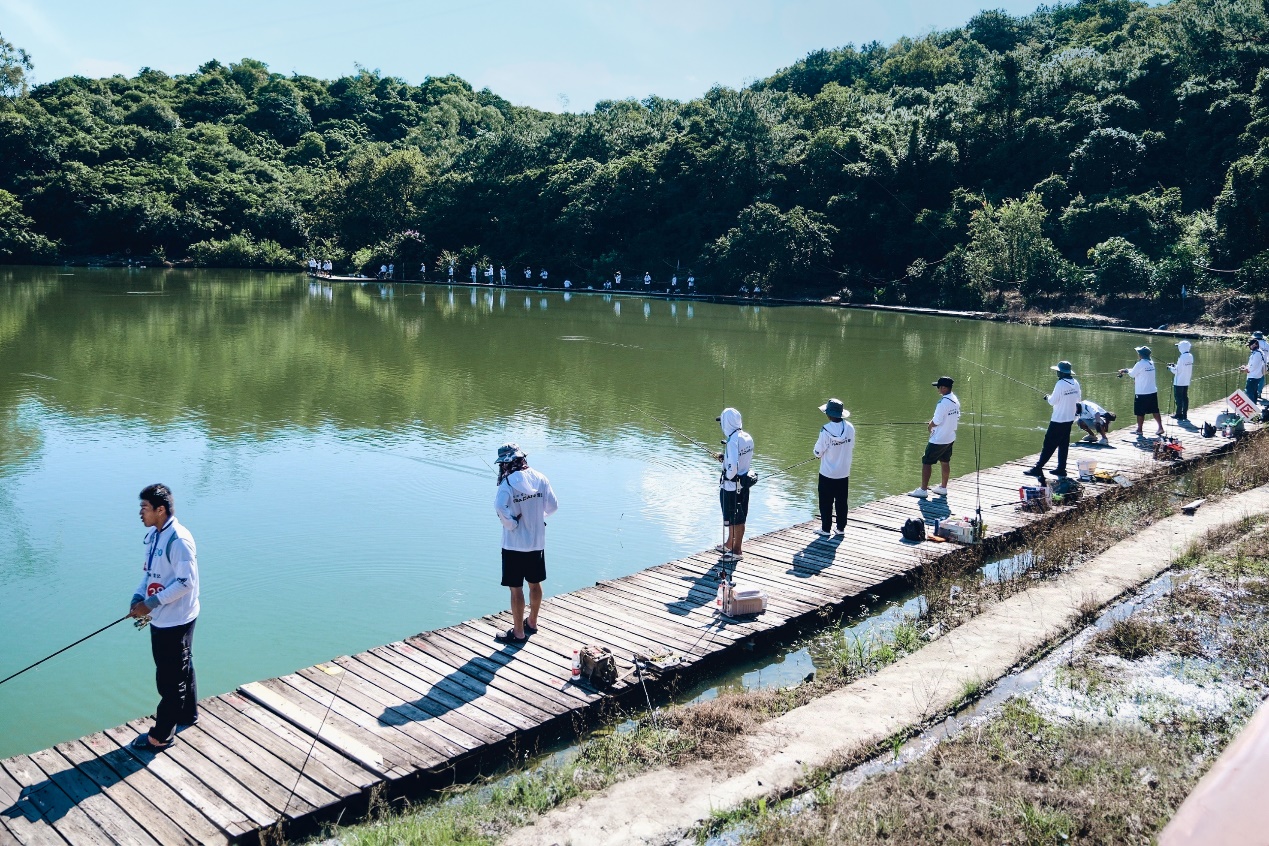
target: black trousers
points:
(1058, 437)
(833, 491)
(173, 650)
(1181, 393)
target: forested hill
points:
(1097, 149)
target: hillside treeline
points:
(1086, 153)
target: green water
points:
(327, 446)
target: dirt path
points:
(658, 806)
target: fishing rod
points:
(792, 467)
(140, 624)
(712, 454)
(1002, 375)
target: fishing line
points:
(64, 648)
(313, 746)
(1002, 375)
(713, 455)
(791, 467)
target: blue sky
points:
(550, 54)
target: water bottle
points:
(722, 586)
(577, 664)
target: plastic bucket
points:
(1086, 466)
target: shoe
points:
(529, 630)
(1139, 433)
(822, 533)
(938, 490)
(1061, 474)
(141, 743)
(1038, 472)
(839, 533)
(722, 548)
(732, 556)
(1159, 434)
(509, 636)
(1104, 441)
(919, 493)
(1088, 439)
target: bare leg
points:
(517, 610)
(1158, 421)
(535, 602)
(1141, 421)
(738, 537)
(925, 475)
(946, 467)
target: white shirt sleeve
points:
(181, 559)
(503, 505)
(821, 443)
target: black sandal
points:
(529, 630)
(509, 636)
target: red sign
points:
(1243, 405)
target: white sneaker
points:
(1104, 441)
(839, 533)
(919, 493)
(822, 533)
(938, 490)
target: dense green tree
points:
(971, 166)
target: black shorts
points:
(934, 453)
(520, 567)
(735, 506)
(1143, 404)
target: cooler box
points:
(740, 601)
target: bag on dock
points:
(1209, 431)
(1067, 491)
(913, 529)
(599, 665)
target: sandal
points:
(529, 630)
(141, 743)
(509, 636)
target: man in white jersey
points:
(168, 595)
(1145, 390)
(523, 502)
(1094, 420)
(543, 276)
(473, 274)
(1182, 372)
(647, 280)
(1255, 369)
(733, 494)
(1065, 399)
(528, 274)
(942, 426)
(835, 447)
(617, 278)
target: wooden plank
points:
(23, 817)
(88, 796)
(550, 652)
(382, 727)
(58, 809)
(347, 742)
(632, 620)
(464, 669)
(281, 748)
(220, 811)
(647, 596)
(541, 679)
(318, 755)
(303, 793)
(662, 622)
(213, 777)
(389, 710)
(179, 824)
(420, 674)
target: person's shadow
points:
(47, 800)
(702, 589)
(461, 686)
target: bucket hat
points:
(835, 408)
(509, 452)
(1063, 368)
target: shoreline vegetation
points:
(1099, 157)
(1222, 573)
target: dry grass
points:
(1020, 779)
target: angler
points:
(523, 502)
(1095, 421)
(1255, 369)
(1065, 398)
(734, 482)
(1182, 372)
(168, 595)
(942, 426)
(835, 448)
(1145, 390)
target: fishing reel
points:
(141, 622)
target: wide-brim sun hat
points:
(508, 453)
(1063, 367)
(1142, 349)
(835, 408)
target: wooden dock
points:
(413, 714)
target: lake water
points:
(327, 447)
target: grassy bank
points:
(1103, 751)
